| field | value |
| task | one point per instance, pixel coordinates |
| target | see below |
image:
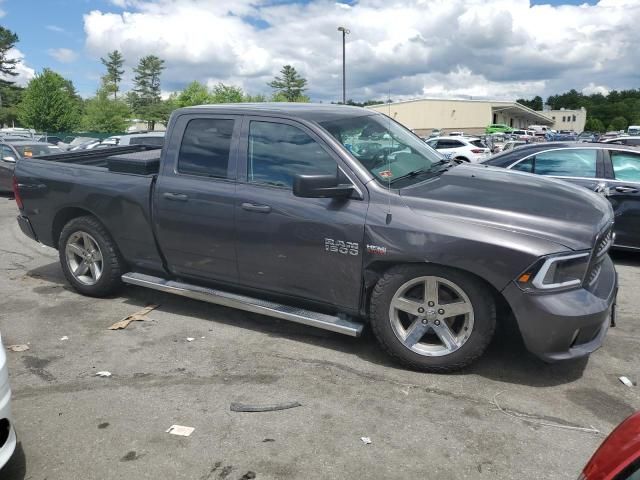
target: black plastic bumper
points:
(566, 325)
(25, 226)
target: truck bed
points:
(100, 157)
(113, 184)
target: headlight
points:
(556, 272)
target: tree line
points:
(50, 103)
(611, 112)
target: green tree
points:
(104, 114)
(111, 80)
(49, 103)
(145, 98)
(534, 104)
(594, 125)
(289, 86)
(281, 97)
(618, 123)
(227, 94)
(194, 94)
(8, 39)
(10, 96)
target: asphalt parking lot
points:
(72, 424)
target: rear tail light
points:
(16, 193)
(477, 150)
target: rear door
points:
(195, 195)
(582, 166)
(308, 248)
(624, 195)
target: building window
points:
(574, 118)
(495, 118)
(564, 119)
(511, 122)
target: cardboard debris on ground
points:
(190, 339)
(18, 348)
(626, 381)
(366, 440)
(139, 316)
(180, 430)
(64, 338)
(103, 374)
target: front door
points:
(195, 196)
(624, 195)
(308, 248)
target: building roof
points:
(496, 105)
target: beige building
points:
(468, 116)
(564, 119)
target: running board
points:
(249, 304)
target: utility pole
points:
(345, 32)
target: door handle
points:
(252, 207)
(176, 197)
(626, 190)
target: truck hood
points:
(546, 208)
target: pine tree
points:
(7, 41)
(145, 99)
(111, 80)
(290, 85)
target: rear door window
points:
(626, 166)
(205, 147)
(278, 152)
(567, 163)
(478, 143)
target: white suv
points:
(461, 149)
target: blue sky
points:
(258, 41)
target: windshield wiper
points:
(411, 174)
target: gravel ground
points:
(72, 424)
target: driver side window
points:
(6, 152)
(278, 152)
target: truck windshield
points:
(385, 148)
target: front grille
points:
(604, 243)
(600, 249)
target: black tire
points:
(461, 160)
(113, 265)
(484, 314)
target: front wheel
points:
(89, 257)
(432, 318)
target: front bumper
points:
(569, 324)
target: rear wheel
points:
(432, 318)
(89, 257)
(461, 160)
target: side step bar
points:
(249, 304)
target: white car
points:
(461, 149)
(7, 432)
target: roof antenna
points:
(388, 219)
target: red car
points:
(618, 458)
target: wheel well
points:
(464, 159)
(63, 217)
(504, 314)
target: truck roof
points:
(317, 112)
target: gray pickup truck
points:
(333, 217)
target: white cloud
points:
(24, 72)
(481, 48)
(63, 55)
(593, 88)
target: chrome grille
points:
(601, 248)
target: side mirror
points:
(320, 186)
(9, 158)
